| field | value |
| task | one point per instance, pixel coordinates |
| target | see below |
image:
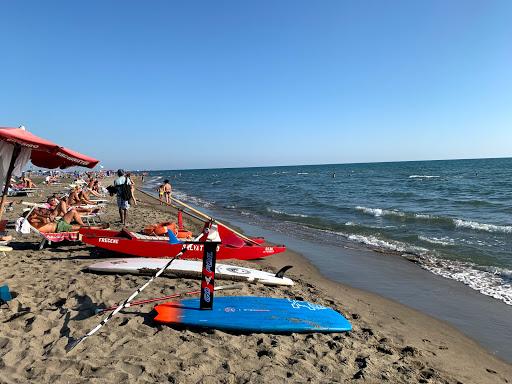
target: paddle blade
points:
(283, 270)
(172, 237)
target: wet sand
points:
(56, 299)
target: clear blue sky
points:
(201, 84)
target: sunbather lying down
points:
(44, 220)
(80, 195)
(61, 207)
(28, 183)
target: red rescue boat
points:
(139, 245)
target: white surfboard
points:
(189, 268)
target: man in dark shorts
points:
(167, 191)
(122, 203)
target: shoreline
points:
(447, 238)
(310, 270)
(390, 342)
(389, 274)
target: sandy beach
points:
(56, 298)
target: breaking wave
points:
(193, 199)
(490, 281)
(389, 245)
(482, 227)
(457, 223)
(438, 240)
(380, 212)
(277, 212)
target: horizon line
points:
(321, 164)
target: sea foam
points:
(482, 227)
(192, 199)
(490, 281)
(438, 240)
(390, 245)
(380, 212)
(285, 213)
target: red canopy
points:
(44, 153)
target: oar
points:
(128, 300)
(140, 302)
(124, 304)
(212, 219)
(204, 215)
(170, 205)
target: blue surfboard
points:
(254, 314)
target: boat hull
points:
(126, 242)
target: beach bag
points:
(125, 190)
(112, 190)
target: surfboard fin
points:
(283, 270)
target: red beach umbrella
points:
(43, 153)
(62, 158)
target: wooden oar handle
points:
(204, 215)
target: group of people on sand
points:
(24, 182)
(51, 179)
(64, 213)
(28, 183)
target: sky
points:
(204, 84)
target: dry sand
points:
(56, 299)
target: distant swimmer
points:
(333, 175)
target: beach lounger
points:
(46, 238)
(22, 192)
(92, 218)
(100, 202)
(23, 226)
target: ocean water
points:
(454, 218)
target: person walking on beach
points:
(167, 191)
(133, 199)
(123, 185)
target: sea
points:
(453, 218)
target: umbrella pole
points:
(16, 151)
